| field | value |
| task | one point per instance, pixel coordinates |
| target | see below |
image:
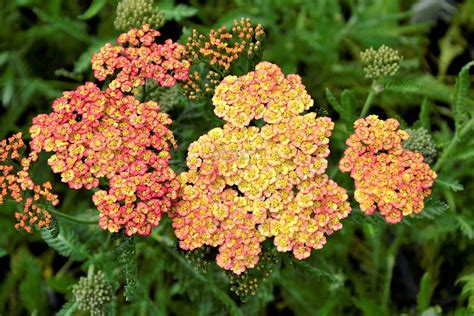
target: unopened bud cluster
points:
(93, 293)
(220, 50)
(135, 13)
(200, 258)
(421, 141)
(382, 62)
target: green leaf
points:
(451, 184)
(93, 9)
(460, 103)
(466, 226)
(3, 252)
(399, 86)
(424, 294)
(346, 107)
(425, 114)
(83, 63)
(66, 243)
(127, 258)
(432, 209)
(177, 12)
(68, 309)
(468, 289)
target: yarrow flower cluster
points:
(220, 50)
(421, 141)
(93, 293)
(383, 62)
(386, 176)
(137, 58)
(15, 183)
(98, 135)
(135, 13)
(246, 184)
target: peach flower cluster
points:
(220, 50)
(246, 183)
(386, 176)
(15, 183)
(97, 135)
(137, 57)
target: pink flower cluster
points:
(246, 184)
(386, 176)
(16, 184)
(98, 134)
(137, 58)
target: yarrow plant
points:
(136, 13)
(109, 135)
(246, 184)
(16, 183)
(137, 58)
(387, 177)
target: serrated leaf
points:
(465, 227)
(68, 309)
(460, 103)
(346, 107)
(451, 184)
(93, 9)
(405, 86)
(127, 258)
(432, 209)
(66, 243)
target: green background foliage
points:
(422, 266)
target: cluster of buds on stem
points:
(386, 176)
(383, 62)
(246, 184)
(93, 293)
(135, 13)
(16, 183)
(421, 141)
(219, 51)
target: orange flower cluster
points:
(386, 176)
(15, 182)
(138, 57)
(98, 134)
(246, 184)
(219, 51)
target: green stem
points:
(368, 101)
(452, 145)
(72, 218)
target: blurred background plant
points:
(422, 266)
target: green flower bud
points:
(136, 13)
(421, 141)
(92, 293)
(382, 62)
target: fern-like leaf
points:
(65, 243)
(127, 257)
(465, 226)
(451, 184)
(68, 309)
(468, 290)
(461, 107)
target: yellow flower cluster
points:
(246, 183)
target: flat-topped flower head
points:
(246, 184)
(386, 176)
(16, 184)
(96, 135)
(137, 58)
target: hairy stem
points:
(368, 101)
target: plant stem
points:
(72, 218)
(368, 101)
(452, 145)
